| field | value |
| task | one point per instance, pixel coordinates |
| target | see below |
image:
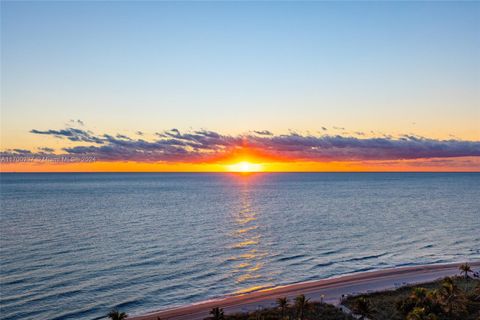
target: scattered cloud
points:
(46, 150)
(263, 132)
(21, 152)
(76, 122)
(121, 136)
(72, 134)
(203, 145)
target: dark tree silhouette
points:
(116, 315)
(465, 269)
(217, 314)
(301, 303)
(283, 305)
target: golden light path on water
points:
(250, 260)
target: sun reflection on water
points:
(248, 271)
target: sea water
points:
(74, 246)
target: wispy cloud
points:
(203, 145)
(77, 122)
(263, 132)
(71, 134)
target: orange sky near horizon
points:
(241, 157)
(421, 165)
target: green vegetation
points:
(363, 308)
(448, 299)
(452, 298)
(301, 308)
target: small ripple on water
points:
(369, 257)
(294, 257)
(321, 265)
(330, 252)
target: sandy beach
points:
(330, 290)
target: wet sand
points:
(330, 290)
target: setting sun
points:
(245, 166)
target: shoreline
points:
(331, 289)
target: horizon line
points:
(238, 173)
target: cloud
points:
(263, 132)
(123, 137)
(21, 152)
(203, 145)
(76, 122)
(71, 134)
(46, 149)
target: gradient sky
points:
(121, 67)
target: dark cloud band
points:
(202, 145)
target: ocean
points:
(73, 246)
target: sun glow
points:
(245, 167)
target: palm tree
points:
(217, 314)
(282, 304)
(301, 303)
(451, 298)
(419, 296)
(420, 314)
(465, 268)
(363, 308)
(421, 299)
(116, 315)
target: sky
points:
(295, 86)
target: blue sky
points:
(125, 66)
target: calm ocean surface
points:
(75, 245)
